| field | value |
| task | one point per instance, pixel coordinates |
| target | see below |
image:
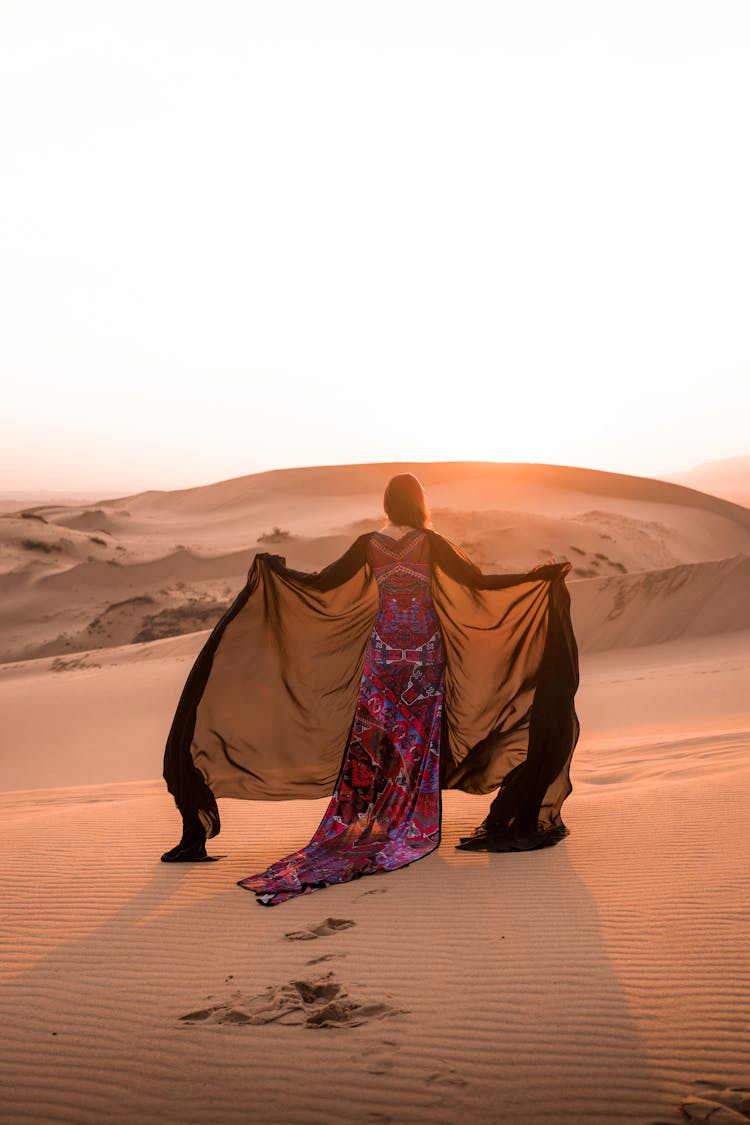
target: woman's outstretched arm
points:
(459, 566)
(336, 573)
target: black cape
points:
(268, 706)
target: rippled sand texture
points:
(603, 980)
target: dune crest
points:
(654, 606)
(131, 568)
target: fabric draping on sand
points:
(268, 706)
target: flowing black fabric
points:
(267, 708)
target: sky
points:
(238, 236)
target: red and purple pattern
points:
(385, 809)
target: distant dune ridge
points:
(135, 990)
(729, 478)
(127, 569)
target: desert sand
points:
(606, 979)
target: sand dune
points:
(601, 981)
(13, 500)
(146, 565)
(662, 605)
(485, 478)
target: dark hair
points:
(405, 502)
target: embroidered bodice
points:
(404, 575)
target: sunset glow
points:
(248, 236)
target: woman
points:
(385, 810)
(429, 673)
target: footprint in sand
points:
(447, 1077)
(374, 891)
(314, 1002)
(325, 957)
(718, 1104)
(378, 1058)
(379, 1061)
(324, 929)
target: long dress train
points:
(385, 810)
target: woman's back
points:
(385, 809)
(403, 572)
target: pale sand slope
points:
(728, 478)
(159, 563)
(592, 982)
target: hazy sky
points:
(237, 236)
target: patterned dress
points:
(385, 809)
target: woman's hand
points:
(268, 555)
(552, 561)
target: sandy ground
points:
(603, 980)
